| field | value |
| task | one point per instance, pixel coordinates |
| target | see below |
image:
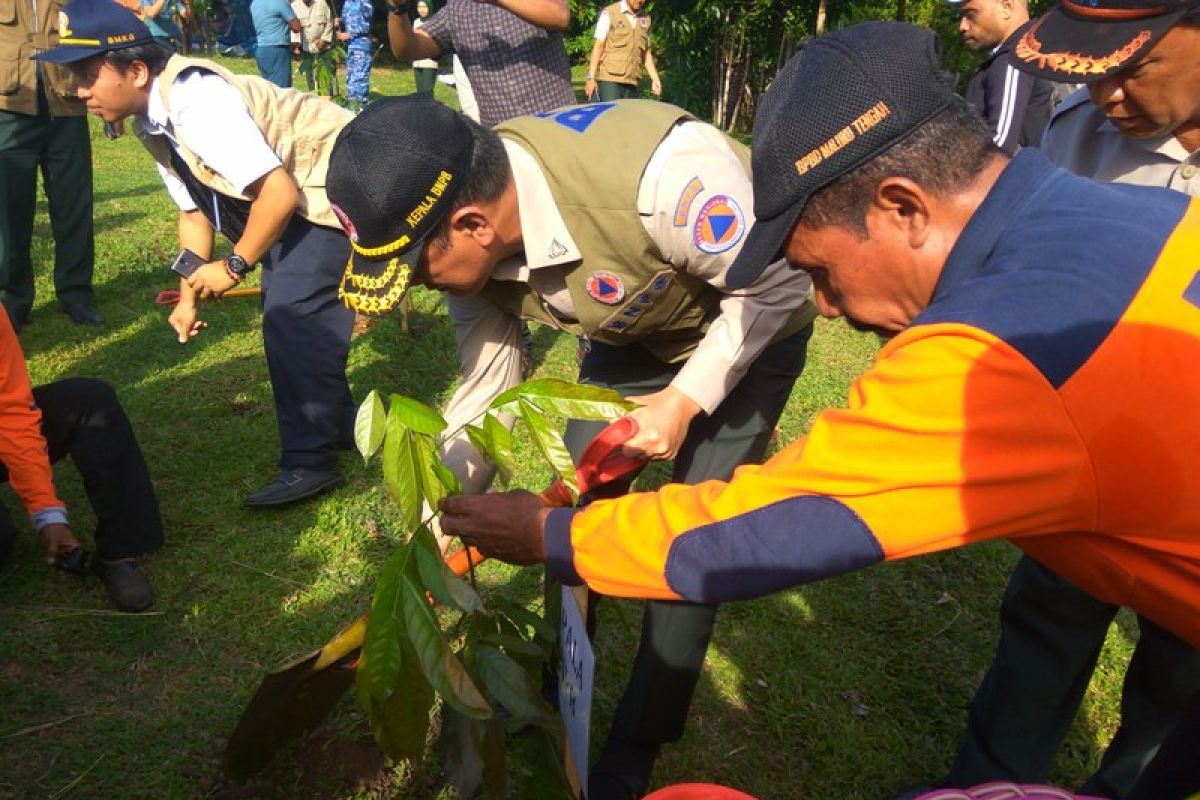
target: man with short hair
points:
(243, 157)
(532, 221)
(274, 22)
(1016, 300)
(1016, 105)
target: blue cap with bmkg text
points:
(88, 28)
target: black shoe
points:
(126, 584)
(294, 484)
(83, 313)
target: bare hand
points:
(58, 540)
(184, 319)
(211, 280)
(589, 88)
(656, 87)
(342, 35)
(662, 422)
(508, 526)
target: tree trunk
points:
(901, 10)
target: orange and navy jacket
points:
(1049, 394)
(22, 446)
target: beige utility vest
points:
(625, 48)
(664, 309)
(300, 128)
(26, 29)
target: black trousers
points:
(1174, 774)
(306, 336)
(83, 418)
(674, 640)
(62, 150)
(1051, 635)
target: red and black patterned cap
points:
(1081, 41)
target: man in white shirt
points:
(241, 156)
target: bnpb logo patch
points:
(719, 225)
(605, 288)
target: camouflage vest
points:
(300, 128)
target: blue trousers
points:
(358, 69)
(275, 64)
(306, 336)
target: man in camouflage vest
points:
(537, 220)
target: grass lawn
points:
(850, 688)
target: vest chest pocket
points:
(10, 74)
(8, 12)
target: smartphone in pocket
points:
(186, 263)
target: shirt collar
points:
(156, 120)
(1166, 146)
(544, 235)
(1019, 182)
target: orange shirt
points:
(1050, 394)
(22, 447)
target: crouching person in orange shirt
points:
(81, 417)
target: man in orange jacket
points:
(1036, 383)
(84, 418)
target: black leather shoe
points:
(294, 484)
(622, 772)
(83, 313)
(126, 584)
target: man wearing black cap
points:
(536, 220)
(247, 158)
(1016, 105)
(1142, 126)
(1017, 301)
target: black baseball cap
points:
(1081, 41)
(393, 175)
(88, 28)
(843, 99)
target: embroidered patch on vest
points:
(351, 231)
(623, 319)
(606, 288)
(719, 225)
(684, 207)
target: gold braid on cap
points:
(1029, 49)
(362, 292)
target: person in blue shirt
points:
(273, 19)
(159, 18)
(356, 32)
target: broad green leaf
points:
(544, 629)
(502, 447)
(512, 686)
(479, 439)
(380, 667)
(439, 663)
(402, 471)
(550, 442)
(433, 488)
(547, 779)
(461, 749)
(447, 477)
(416, 415)
(566, 399)
(437, 577)
(495, 761)
(513, 645)
(369, 425)
(401, 723)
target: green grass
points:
(846, 689)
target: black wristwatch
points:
(238, 266)
(398, 8)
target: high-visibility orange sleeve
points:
(933, 451)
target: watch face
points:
(238, 265)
